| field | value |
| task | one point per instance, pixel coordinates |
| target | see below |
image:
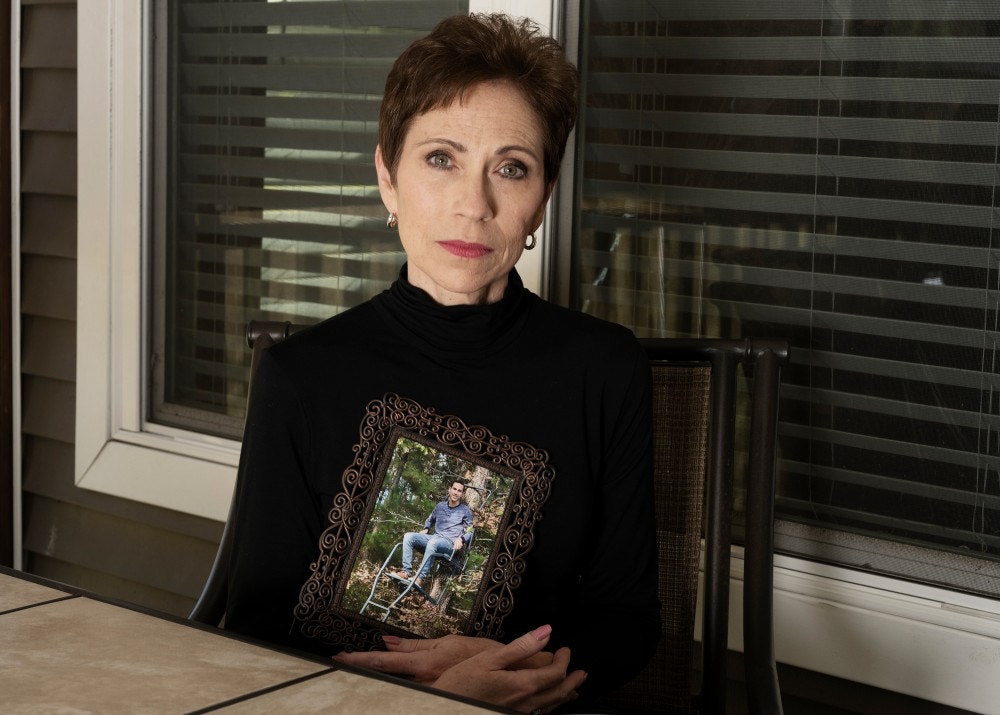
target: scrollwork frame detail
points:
(319, 614)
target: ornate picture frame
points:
(405, 461)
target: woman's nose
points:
(476, 201)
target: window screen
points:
(265, 202)
(826, 172)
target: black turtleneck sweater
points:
(562, 381)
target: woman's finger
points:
(519, 649)
(538, 660)
(422, 659)
(551, 686)
(405, 645)
(563, 691)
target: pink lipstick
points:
(465, 250)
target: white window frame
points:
(117, 451)
(927, 642)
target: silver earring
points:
(530, 243)
(392, 221)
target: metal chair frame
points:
(763, 359)
(438, 561)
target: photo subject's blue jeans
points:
(429, 544)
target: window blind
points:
(265, 196)
(823, 171)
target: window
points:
(266, 146)
(824, 172)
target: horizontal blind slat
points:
(885, 89)
(381, 14)
(350, 139)
(322, 109)
(809, 126)
(813, 49)
(346, 77)
(698, 234)
(936, 172)
(659, 198)
(786, 10)
(309, 46)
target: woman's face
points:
(469, 189)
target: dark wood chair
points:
(695, 420)
(211, 604)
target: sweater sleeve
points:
(278, 517)
(615, 624)
(467, 521)
(431, 518)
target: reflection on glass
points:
(832, 179)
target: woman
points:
(472, 130)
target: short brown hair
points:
(466, 50)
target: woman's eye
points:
(513, 171)
(439, 161)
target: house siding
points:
(121, 549)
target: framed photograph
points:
(429, 533)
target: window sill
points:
(926, 642)
(162, 471)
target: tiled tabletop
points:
(17, 593)
(61, 652)
(343, 692)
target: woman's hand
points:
(489, 676)
(425, 660)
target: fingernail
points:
(542, 632)
(391, 640)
